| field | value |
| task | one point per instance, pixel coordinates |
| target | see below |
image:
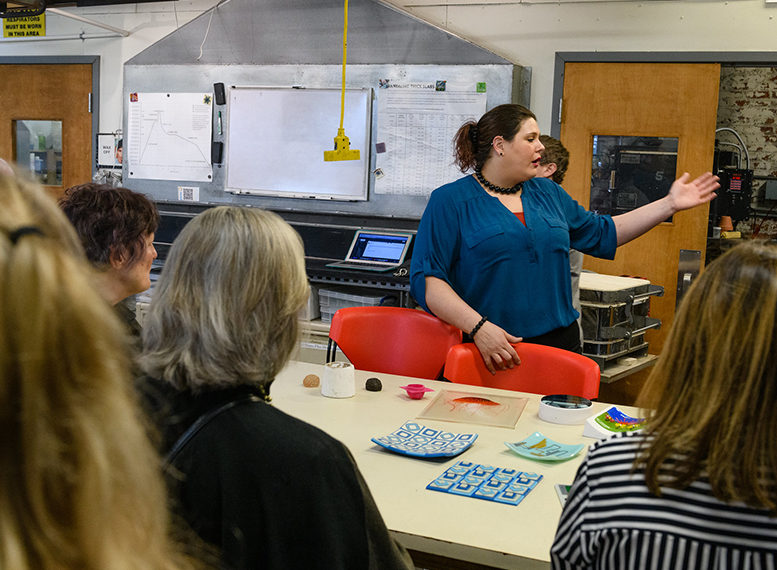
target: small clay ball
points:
(373, 385)
(311, 381)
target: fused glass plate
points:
(472, 408)
(542, 448)
(508, 486)
(421, 441)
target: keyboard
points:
(363, 266)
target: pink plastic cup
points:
(416, 391)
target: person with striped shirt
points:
(695, 489)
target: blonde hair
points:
(714, 390)
(6, 169)
(80, 484)
(225, 307)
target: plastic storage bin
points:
(330, 300)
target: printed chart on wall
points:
(416, 126)
(168, 136)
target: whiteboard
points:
(276, 138)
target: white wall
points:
(147, 23)
(529, 34)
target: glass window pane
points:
(629, 172)
(38, 147)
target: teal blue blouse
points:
(516, 275)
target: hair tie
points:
(23, 231)
(473, 135)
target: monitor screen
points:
(377, 247)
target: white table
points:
(463, 528)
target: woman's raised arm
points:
(683, 195)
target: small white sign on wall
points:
(189, 193)
(109, 150)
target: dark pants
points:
(566, 338)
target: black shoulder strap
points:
(201, 422)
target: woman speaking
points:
(492, 251)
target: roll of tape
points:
(338, 380)
(565, 409)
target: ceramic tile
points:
(508, 486)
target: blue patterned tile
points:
(441, 484)
(485, 493)
(463, 488)
(507, 486)
(509, 498)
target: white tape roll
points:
(563, 409)
(338, 380)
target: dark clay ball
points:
(373, 385)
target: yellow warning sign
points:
(24, 26)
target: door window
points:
(38, 148)
(628, 172)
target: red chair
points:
(392, 340)
(543, 370)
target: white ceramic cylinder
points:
(563, 409)
(338, 380)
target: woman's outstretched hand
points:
(494, 346)
(685, 194)
(682, 196)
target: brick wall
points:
(748, 104)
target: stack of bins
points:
(330, 300)
(615, 316)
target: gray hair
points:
(225, 307)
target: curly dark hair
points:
(556, 153)
(110, 220)
(472, 143)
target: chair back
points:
(543, 370)
(393, 340)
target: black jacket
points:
(271, 491)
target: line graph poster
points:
(168, 136)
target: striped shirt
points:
(612, 521)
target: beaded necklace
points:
(498, 189)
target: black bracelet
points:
(477, 327)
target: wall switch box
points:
(770, 190)
(216, 150)
(218, 91)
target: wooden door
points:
(43, 92)
(644, 99)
